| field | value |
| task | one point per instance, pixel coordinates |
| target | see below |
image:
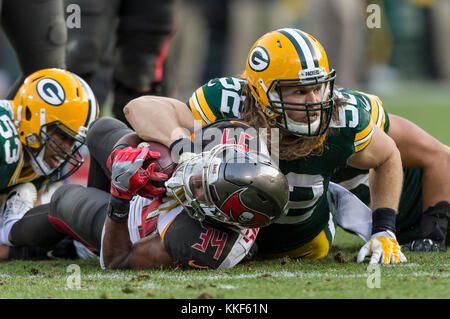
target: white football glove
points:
(383, 248)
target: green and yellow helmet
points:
(289, 58)
(53, 101)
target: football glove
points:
(128, 177)
(424, 245)
(382, 248)
(433, 230)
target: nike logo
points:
(211, 83)
(50, 254)
(192, 264)
(117, 177)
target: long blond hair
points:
(290, 146)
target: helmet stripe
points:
(303, 48)
(92, 113)
(308, 42)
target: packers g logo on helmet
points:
(51, 91)
(258, 59)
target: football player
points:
(288, 89)
(41, 132)
(215, 202)
(125, 42)
(424, 210)
(42, 45)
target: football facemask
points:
(316, 116)
(240, 187)
(290, 58)
(67, 161)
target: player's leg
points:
(87, 45)
(90, 47)
(315, 249)
(74, 211)
(430, 232)
(417, 229)
(22, 222)
(35, 229)
(101, 138)
(79, 212)
(39, 43)
(143, 36)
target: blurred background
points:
(400, 52)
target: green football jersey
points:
(357, 181)
(308, 177)
(12, 170)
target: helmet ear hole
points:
(28, 113)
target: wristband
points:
(118, 209)
(383, 219)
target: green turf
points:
(426, 104)
(425, 275)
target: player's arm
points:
(383, 157)
(128, 177)
(120, 253)
(160, 119)
(418, 149)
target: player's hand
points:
(129, 177)
(382, 248)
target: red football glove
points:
(128, 177)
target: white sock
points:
(4, 234)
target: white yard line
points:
(187, 276)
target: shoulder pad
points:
(220, 98)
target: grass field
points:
(425, 275)
(425, 103)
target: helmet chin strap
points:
(189, 165)
(38, 164)
(302, 128)
(37, 161)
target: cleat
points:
(19, 200)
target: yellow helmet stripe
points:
(310, 46)
(303, 47)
